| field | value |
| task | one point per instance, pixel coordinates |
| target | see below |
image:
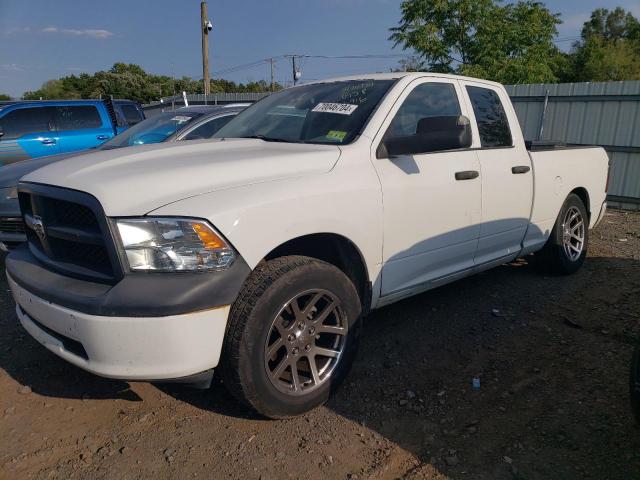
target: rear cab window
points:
(77, 117)
(491, 117)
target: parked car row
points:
(187, 123)
(32, 129)
(258, 253)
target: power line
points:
(566, 39)
(262, 61)
(370, 56)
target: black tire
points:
(268, 289)
(634, 384)
(554, 257)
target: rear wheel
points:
(566, 248)
(292, 336)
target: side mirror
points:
(434, 134)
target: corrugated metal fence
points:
(605, 114)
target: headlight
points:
(173, 244)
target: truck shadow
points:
(552, 355)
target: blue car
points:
(32, 129)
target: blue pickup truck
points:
(32, 129)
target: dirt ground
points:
(552, 355)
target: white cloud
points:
(11, 67)
(86, 32)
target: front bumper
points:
(128, 348)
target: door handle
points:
(520, 169)
(48, 141)
(103, 137)
(467, 175)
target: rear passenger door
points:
(28, 133)
(507, 179)
(81, 127)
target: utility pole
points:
(205, 28)
(273, 85)
(293, 65)
(296, 73)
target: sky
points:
(45, 39)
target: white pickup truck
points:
(260, 252)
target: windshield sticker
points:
(356, 93)
(336, 135)
(339, 108)
(180, 119)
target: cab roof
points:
(402, 75)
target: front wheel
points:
(566, 248)
(291, 336)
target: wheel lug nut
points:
(312, 331)
(301, 325)
(294, 351)
(291, 338)
(307, 348)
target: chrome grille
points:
(68, 231)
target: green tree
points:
(410, 64)
(612, 26)
(4, 97)
(609, 49)
(510, 44)
(131, 81)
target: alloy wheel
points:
(305, 342)
(573, 233)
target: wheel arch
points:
(335, 249)
(584, 196)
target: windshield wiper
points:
(272, 139)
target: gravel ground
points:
(552, 355)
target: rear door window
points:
(131, 114)
(77, 117)
(24, 121)
(491, 117)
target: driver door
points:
(432, 212)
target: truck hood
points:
(137, 180)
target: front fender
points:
(260, 217)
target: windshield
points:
(328, 113)
(152, 130)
